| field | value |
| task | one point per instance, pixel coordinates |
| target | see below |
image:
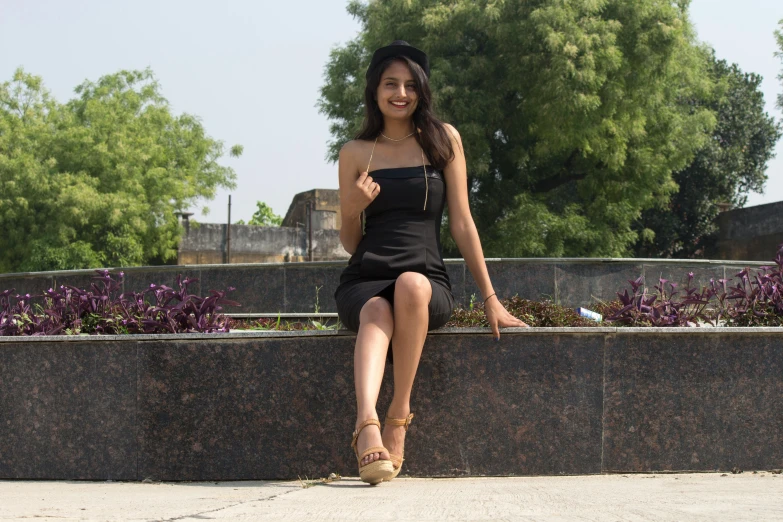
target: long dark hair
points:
(434, 139)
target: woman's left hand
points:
(498, 316)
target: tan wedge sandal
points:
(374, 472)
(398, 459)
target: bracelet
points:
(485, 300)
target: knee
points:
(413, 287)
(379, 311)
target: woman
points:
(395, 287)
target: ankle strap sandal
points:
(398, 459)
(374, 472)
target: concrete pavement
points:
(660, 497)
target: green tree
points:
(264, 217)
(724, 170)
(569, 111)
(97, 181)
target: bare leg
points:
(412, 295)
(372, 343)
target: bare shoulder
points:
(353, 150)
(355, 153)
(455, 137)
(452, 130)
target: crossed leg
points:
(412, 295)
(406, 327)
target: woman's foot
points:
(394, 435)
(369, 437)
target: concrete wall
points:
(294, 287)
(206, 243)
(544, 401)
(752, 233)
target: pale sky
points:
(251, 70)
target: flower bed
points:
(754, 298)
(104, 310)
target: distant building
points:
(751, 233)
(326, 204)
(310, 231)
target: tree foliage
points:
(728, 166)
(571, 113)
(264, 216)
(97, 181)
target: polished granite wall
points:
(281, 406)
(296, 287)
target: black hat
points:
(399, 48)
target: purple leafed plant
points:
(756, 299)
(103, 310)
(667, 307)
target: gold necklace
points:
(392, 139)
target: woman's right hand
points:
(362, 193)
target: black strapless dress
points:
(400, 236)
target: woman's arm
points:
(355, 194)
(461, 224)
(465, 235)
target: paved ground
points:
(709, 496)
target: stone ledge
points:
(249, 334)
(279, 405)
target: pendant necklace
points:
(423, 165)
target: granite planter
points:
(278, 405)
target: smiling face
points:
(397, 93)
